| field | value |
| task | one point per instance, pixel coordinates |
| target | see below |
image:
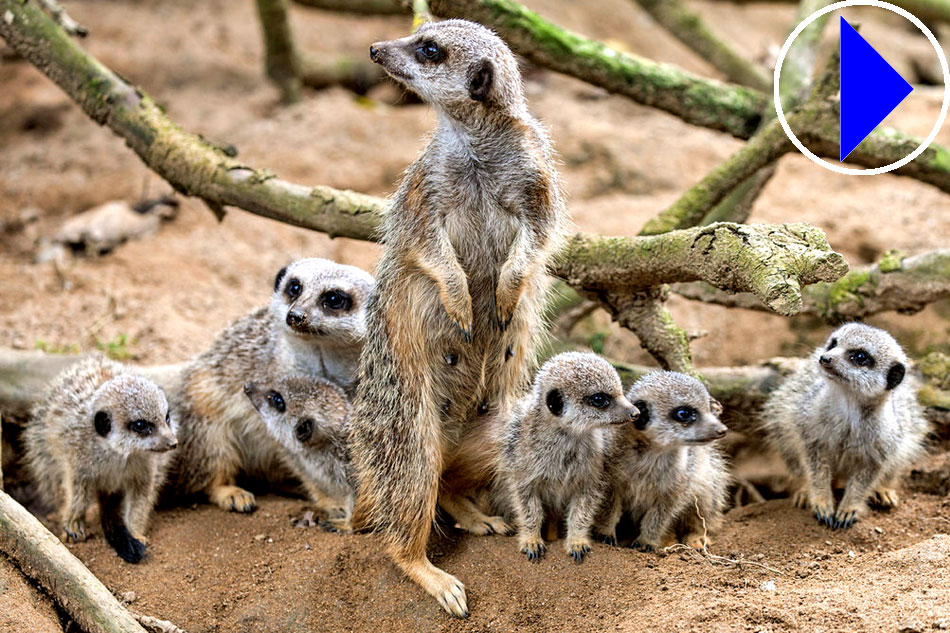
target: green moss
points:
(891, 261)
(850, 288)
(52, 348)
(117, 348)
(935, 368)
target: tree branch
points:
(686, 26)
(936, 10)
(896, 283)
(771, 261)
(42, 557)
(62, 18)
(282, 63)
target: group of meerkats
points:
(387, 398)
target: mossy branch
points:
(896, 283)
(688, 27)
(771, 261)
(927, 10)
(361, 7)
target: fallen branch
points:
(896, 283)
(155, 625)
(43, 557)
(686, 26)
(773, 262)
(356, 75)
(926, 10)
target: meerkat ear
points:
(480, 80)
(715, 406)
(280, 278)
(103, 423)
(644, 418)
(895, 375)
(555, 402)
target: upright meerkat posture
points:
(460, 288)
(101, 434)
(314, 326)
(849, 414)
(309, 418)
(555, 444)
(664, 468)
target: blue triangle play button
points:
(870, 89)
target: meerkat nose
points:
(824, 360)
(373, 53)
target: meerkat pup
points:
(309, 418)
(664, 469)
(554, 449)
(848, 415)
(101, 433)
(460, 289)
(314, 326)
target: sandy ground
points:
(169, 294)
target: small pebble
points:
(879, 530)
(260, 537)
(768, 585)
(851, 553)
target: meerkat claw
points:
(642, 547)
(609, 539)
(578, 551)
(534, 551)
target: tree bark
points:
(361, 7)
(686, 26)
(42, 557)
(282, 64)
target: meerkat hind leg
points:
(117, 533)
(885, 494)
(469, 517)
(227, 496)
(441, 585)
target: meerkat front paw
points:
(640, 546)
(487, 526)
(800, 498)
(504, 308)
(74, 531)
(533, 547)
(578, 548)
(609, 539)
(823, 507)
(885, 498)
(233, 498)
(845, 517)
(337, 524)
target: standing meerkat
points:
(460, 289)
(101, 434)
(555, 445)
(309, 418)
(849, 415)
(314, 326)
(664, 470)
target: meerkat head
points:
(581, 391)
(131, 414)
(865, 360)
(454, 65)
(675, 410)
(320, 300)
(301, 413)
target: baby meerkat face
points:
(676, 410)
(864, 359)
(301, 413)
(583, 392)
(131, 414)
(453, 64)
(317, 299)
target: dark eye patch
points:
(304, 430)
(293, 288)
(684, 415)
(644, 418)
(860, 358)
(598, 400)
(336, 300)
(555, 401)
(429, 52)
(103, 423)
(276, 400)
(833, 343)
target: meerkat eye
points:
(429, 51)
(141, 427)
(336, 300)
(294, 288)
(304, 430)
(276, 400)
(833, 343)
(599, 400)
(684, 415)
(168, 417)
(861, 358)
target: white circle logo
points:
(849, 170)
